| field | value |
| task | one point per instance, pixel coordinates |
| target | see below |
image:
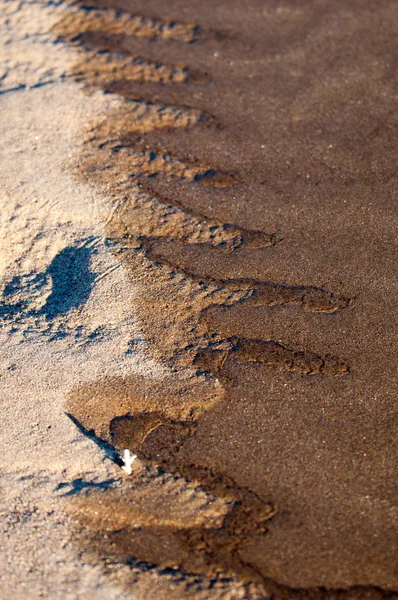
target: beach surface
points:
(198, 276)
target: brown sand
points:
(250, 168)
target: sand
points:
(198, 265)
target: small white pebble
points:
(128, 460)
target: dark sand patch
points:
(297, 139)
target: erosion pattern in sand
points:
(199, 266)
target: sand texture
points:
(198, 274)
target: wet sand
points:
(250, 167)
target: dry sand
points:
(198, 264)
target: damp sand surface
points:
(248, 162)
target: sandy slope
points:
(53, 246)
(45, 212)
